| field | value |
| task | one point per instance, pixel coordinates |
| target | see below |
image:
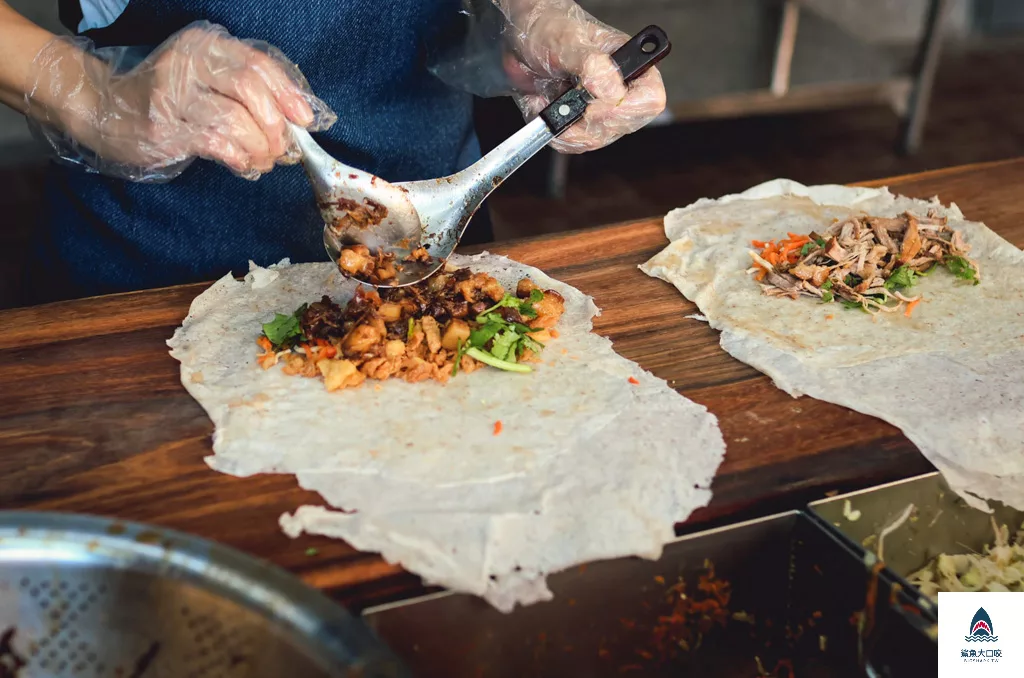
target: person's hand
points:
(554, 42)
(202, 93)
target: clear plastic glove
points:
(554, 43)
(202, 93)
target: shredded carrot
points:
(326, 349)
(759, 276)
(497, 427)
(910, 307)
(783, 251)
(264, 343)
(829, 317)
(634, 381)
(554, 334)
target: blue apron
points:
(365, 58)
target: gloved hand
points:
(553, 41)
(202, 93)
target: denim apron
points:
(365, 58)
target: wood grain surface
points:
(95, 420)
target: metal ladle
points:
(434, 213)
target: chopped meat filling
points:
(356, 215)
(455, 320)
(375, 268)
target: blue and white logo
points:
(982, 630)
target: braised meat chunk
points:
(456, 320)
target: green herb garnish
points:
(412, 329)
(852, 280)
(821, 242)
(528, 344)
(504, 344)
(284, 328)
(851, 304)
(524, 306)
(962, 269)
(480, 336)
(459, 352)
(311, 551)
(508, 301)
(806, 249)
(900, 278)
(826, 296)
(527, 311)
(488, 359)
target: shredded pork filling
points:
(865, 262)
(456, 320)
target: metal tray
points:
(801, 583)
(941, 523)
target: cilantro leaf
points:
(531, 344)
(900, 278)
(284, 327)
(504, 344)
(488, 318)
(508, 301)
(827, 285)
(526, 310)
(536, 295)
(826, 296)
(480, 336)
(962, 269)
(806, 249)
(851, 280)
(821, 242)
(851, 304)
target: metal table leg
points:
(927, 63)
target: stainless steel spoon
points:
(360, 208)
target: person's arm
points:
(555, 41)
(202, 93)
(20, 41)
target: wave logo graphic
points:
(982, 630)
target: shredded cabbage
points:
(997, 568)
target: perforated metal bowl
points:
(86, 596)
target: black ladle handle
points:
(643, 50)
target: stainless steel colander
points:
(86, 596)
